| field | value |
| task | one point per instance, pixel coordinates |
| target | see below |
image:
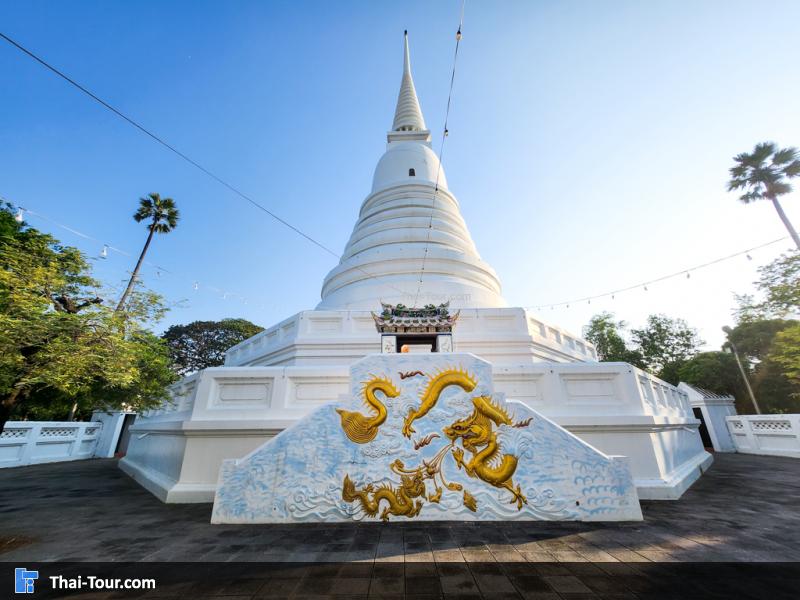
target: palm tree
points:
(163, 217)
(764, 174)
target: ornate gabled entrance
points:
(426, 329)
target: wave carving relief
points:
(436, 445)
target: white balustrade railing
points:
(775, 435)
(33, 442)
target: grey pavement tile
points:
(462, 583)
(389, 569)
(423, 585)
(278, 588)
(551, 569)
(387, 586)
(448, 556)
(494, 584)
(566, 584)
(420, 569)
(540, 596)
(530, 583)
(350, 586)
(538, 556)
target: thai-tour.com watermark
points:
(27, 581)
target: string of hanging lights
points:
(687, 273)
(159, 270)
(226, 294)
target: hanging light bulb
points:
(612, 296)
(20, 216)
(749, 257)
(196, 286)
(458, 35)
(688, 275)
(589, 302)
(104, 251)
(446, 132)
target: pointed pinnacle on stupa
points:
(408, 115)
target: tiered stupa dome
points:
(410, 217)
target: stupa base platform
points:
(226, 412)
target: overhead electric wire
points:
(180, 154)
(445, 133)
(164, 143)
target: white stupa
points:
(411, 246)
(410, 217)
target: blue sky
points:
(589, 141)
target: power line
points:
(643, 285)
(445, 133)
(159, 269)
(183, 156)
(166, 144)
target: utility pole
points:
(735, 352)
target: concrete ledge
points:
(156, 484)
(168, 490)
(680, 481)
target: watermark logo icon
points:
(24, 580)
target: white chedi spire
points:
(407, 115)
(410, 216)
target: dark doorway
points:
(698, 414)
(416, 340)
(124, 435)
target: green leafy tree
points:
(754, 339)
(779, 284)
(665, 344)
(203, 344)
(718, 373)
(162, 216)
(58, 340)
(757, 344)
(786, 353)
(764, 174)
(606, 334)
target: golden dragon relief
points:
(362, 429)
(476, 433)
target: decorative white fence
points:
(33, 442)
(775, 435)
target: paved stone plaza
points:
(744, 509)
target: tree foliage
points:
(760, 344)
(716, 372)
(786, 353)
(203, 344)
(661, 346)
(163, 216)
(665, 344)
(606, 334)
(754, 339)
(59, 339)
(764, 172)
(779, 284)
